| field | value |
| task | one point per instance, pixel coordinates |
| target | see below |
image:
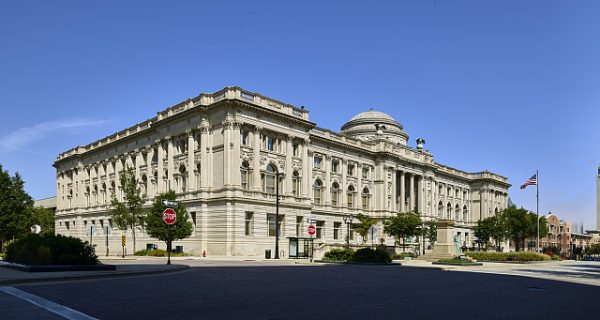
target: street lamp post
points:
(348, 220)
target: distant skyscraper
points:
(598, 199)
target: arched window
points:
(182, 181)
(351, 197)
(496, 211)
(95, 194)
(245, 172)
(465, 214)
(449, 211)
(457, 214)
(87, 196)
(103, 192)
(365, 199)
(296, 183)
(144, 184)
(317, 191)
(269, 179)
(335, 194)
(440, 210)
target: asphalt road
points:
(318, 292)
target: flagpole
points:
(537, 209)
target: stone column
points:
(402, 192)
(305, 169)
(308, 179)
(204, 156)
(149, 175)
(359, 186)
(138, 160)
(394, 197)
(327, 182)
(412, 192)
(256, 159)
(118, 168)
(227, 152)
(161, 169)
(236, 156)
(421, 202)
(434, 197)
(191, 177)
(344, 184)
(170, 164)
(288, 165)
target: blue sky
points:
(505, 86)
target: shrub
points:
(52, 250)
(508, 256)
(370, 255)
(456, 261)
(403, 255)
(338, 254)
(555, 257)
(159, 253)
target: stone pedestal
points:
(444, 247)
(445, 238)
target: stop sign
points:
(312, 230)
(169, 216)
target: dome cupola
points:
(373, 124)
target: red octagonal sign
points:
(311, 230)
(169, 216)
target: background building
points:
(221, 153)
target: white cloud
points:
(24, 137)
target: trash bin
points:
(179, 249)
(267, 254)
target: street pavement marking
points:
(48, 305)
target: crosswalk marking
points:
(48, 305)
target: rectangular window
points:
(296, 150)
(244, 134)
(299, 226)
(317, 162)
(271, 223)
(320, 225)
(193, 216)
(249, 226)
(270, 144)
(335, 166)
(336, 230)
(365, 173)
(351, 170)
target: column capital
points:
(190, 132)
(258, 129)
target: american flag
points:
(530, 182)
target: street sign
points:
(123, 241)
(311, 221)
(169, 203)
(169, 216)
(312, 230)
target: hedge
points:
(49, 249)
(370, 255)
(338, 254)
(508, 256)
(159, 253)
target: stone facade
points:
(221, 153)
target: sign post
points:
(169, 217)
(123, 243)
(106, 231)
(311, 232)
(372, 231)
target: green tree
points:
(129, 213)
(403, 225)
(363, 225)
(431, 231)
(157, 228)
(14, 208)
(522, 224)
(42, 217)
(494, 227)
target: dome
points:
(373, 124)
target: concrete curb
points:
(173, 268)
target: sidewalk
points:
(124, 268)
